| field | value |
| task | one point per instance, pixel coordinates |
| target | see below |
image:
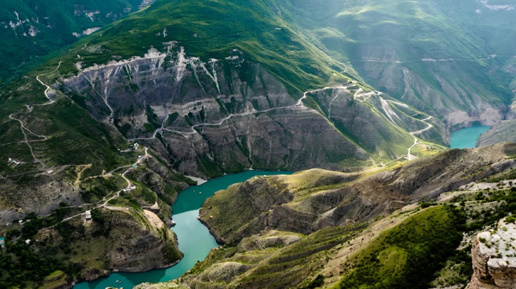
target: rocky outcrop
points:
(494, 259)
(118, 239)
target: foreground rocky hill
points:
(309, 201)
(295, 231)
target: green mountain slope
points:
(33, 29)
(213, 29)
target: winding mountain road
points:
(23, 129)
(416, 142)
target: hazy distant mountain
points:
(32, 29)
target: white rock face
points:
(494, 258)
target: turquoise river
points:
(195, 241)
(467, 138)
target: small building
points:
(27, 241)
(87, 215)
(13, 161)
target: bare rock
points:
(494, 259)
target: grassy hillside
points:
(310, 200)
(406, 256)
(401, 251)
(32, 30)
(213, 29)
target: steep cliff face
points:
(149, 245)
(494, 262)
(444, 58)
(231, 114)
(458, 101)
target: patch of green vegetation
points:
(300, 259)
(457, 271)
(316, 283)
(408, 255)
(56, 279)
(22, 267)
(493, 206)
(95, 189)
(510, 219)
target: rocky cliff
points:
(230, 114)
(494, 261)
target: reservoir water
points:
(195, 240)
(467, 138)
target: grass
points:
(402, 253)
(407, 255)
(55, 280)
